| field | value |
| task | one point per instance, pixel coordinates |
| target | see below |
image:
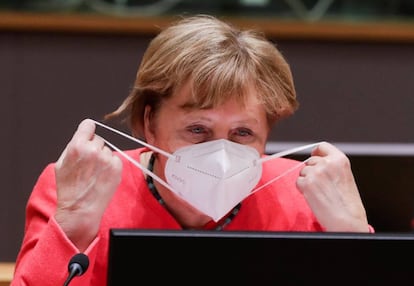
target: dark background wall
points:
(349, 92)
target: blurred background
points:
(310, 10)
(353, 64)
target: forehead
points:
(187, 98)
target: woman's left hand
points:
(328, 185)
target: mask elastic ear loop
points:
(280, 176)
(166, 154)
(287, 152)
(130, 159)
(282, 154)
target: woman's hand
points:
(329, 187)
(87, 175)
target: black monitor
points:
(169, 257)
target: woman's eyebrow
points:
(188, 105)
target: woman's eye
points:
(242, 136)
(197, 129)
(244, 132)
(197, 134)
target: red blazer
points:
(45, 250)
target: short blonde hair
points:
(219, 60)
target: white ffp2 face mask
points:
(213, 176)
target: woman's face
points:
(177, 125)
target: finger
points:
(314, 165)
(304, 171)
(107, 155)
(98, 142)
(324, 149)
(85, 131)
(312, 161)
(83, 144)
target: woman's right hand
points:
(87, 175)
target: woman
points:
(206, 94)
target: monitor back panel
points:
(259, 258)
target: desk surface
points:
(6, 273)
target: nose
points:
(222, 135)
